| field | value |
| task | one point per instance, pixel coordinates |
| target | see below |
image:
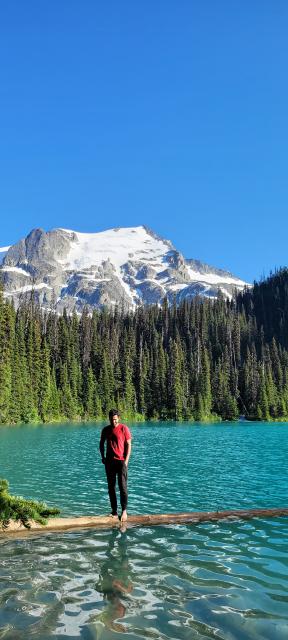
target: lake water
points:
(223, 580)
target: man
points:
(118, 449)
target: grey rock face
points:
(196, 289)
(145, 272)
(203, 268)
(63, 268)
(92, 294)
(150, 292)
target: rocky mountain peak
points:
(127, 266)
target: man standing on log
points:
(118, 449)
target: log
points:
(98, 522)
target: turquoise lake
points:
(225, 580)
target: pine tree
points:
(44, 383)
(106, 385)
(204, 395)
(263, 404)
(22, 398)
(89, 394)
(7, 321)
(67, 403)
(53, 408)
(175, 380)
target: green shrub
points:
(20, 510)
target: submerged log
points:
(98, 522)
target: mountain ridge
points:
(123, 265)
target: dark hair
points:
(113, 412)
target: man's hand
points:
(129, 444)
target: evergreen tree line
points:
(201, 360)
(268, 302)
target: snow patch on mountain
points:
(124, 266)
(117, 246)
(27, 288)
(214, 278)
(16, 270)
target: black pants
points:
(117, 468)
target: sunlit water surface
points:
(223, 580)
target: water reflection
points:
(115, 581)
(224, 580)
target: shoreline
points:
(102, 421)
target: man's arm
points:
(102, 447)
(128, 451)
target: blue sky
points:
(169, 114)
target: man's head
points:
(114, 417)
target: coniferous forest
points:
(203, 360)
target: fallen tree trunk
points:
(194, 517)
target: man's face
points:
(114, 420)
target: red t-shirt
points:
(116, 439)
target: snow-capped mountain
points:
(126, 266)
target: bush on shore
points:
(20, 510)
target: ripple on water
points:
(172, 582)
